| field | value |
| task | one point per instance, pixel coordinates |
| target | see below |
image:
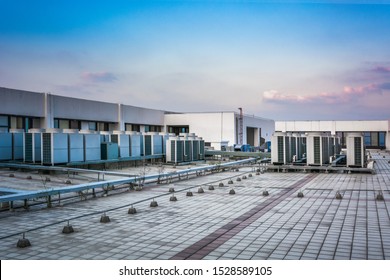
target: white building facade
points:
(26, 110)
(376, 133)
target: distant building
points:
(21, 109)
(376, 133)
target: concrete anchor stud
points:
(250, 175)
(171, 190)
(23, 242)
(265, 193)
(257, 173)
(238, 179)
(200, 190)
(131, 210)
(339, 195)
(221, 185)
(189, 193)
(379, 196)
(244, 177)
(232, 191)
(153, 203)
(68, 182)
(300, 194)
(67, 229)
(230, 182)
(211, 188)
(173, 198)
(105, 219)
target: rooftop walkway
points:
(338, 216)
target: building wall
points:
(217, 127)
(262, 126)
(212, 127)
(21, 103)
(82, 109)
(137, 115)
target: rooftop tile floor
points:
(215, 224)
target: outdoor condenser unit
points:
(91, 146)
(355, 150)
(195, 149)
(123, 141)
(201, 150)
(5, 146)
(136, 148)
(109, 150)
(54, 147)
(17, 144)
(33, 145)
(278, 148)
(157, 142)
(187, 150)
(175, 150)
(317, 149)
(76, 147)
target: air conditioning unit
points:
(175, 150)
(33, 145)
(92, 146)
(54, 147)
(17, 143)
(152, 144)
(109, 150)
(278, 151)
(5, 146)
(136, 143)
(188, 150)
(355, 150)
(76, 147)
(123, 141)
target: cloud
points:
(348, 94)
(381, 69)
(98, 77)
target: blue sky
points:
(285, 60)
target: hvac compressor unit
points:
(152, 143)
(278, 153)
(123, 141)
(54, 147)
(317, 149)
(33, 145)
(136, 143)
(187, 149)
(91, 145)
(17, 143)
(298, 148)
(175, 150)
(5, 146)
(201, 148)
(355, 150)
(109, 150)
(76, 145)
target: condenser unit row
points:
(184, 149)
(61, 146)
(313, 148)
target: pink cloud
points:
(381, 69)
(98, 77)
(348, 94)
